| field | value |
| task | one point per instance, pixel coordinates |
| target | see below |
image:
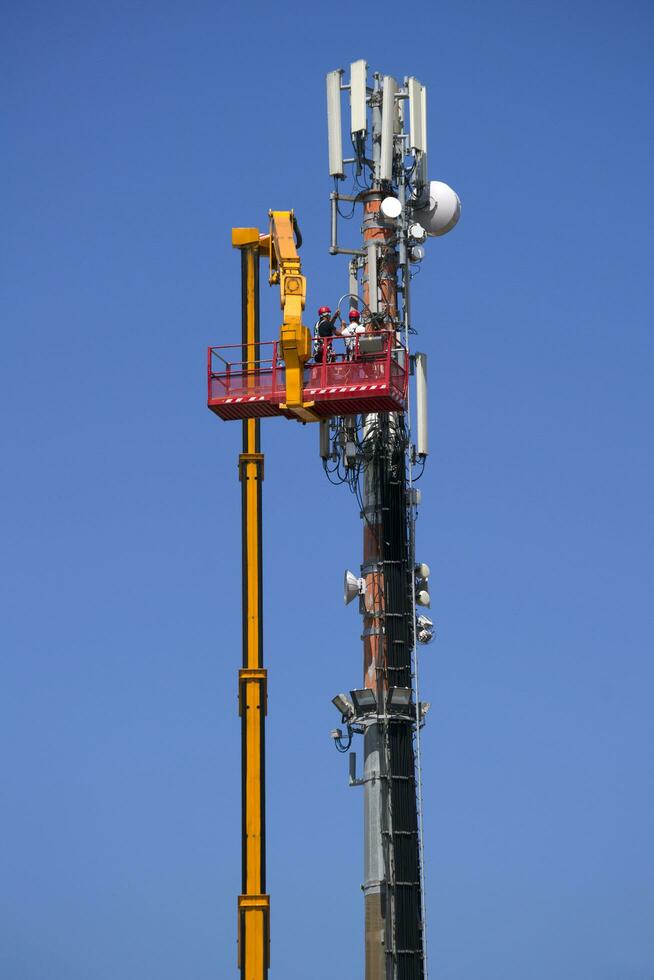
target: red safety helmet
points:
(323, 309)
(355, 315)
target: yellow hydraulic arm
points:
(281, 245)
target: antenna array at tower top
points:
(388, 129)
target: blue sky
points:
(135, 136)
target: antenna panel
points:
(390, 125)
(422, 175)
(423, 116)
(417, 137)
(334, 123)
(358, 80)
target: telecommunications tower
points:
(376, 455)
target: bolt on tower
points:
(375, 453)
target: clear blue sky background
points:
(135, 135)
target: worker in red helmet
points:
(325, 327)
(350, 332)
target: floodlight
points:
(358, 79)
(425, 636)
(344, 705)
(365, 700)
(352, 586)
(422, 570)
(424, 622)
(334, 123)
(423, 598)
(399, 698)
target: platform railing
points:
(355, 363)
(263, 375)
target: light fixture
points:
(352, 586)
(422, 584)
(399, 698)
(425, 629)
(344, 705)
(365, 701)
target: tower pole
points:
(253, 902)
(392, 878)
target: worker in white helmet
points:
(350, 332)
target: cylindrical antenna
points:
(324, 439)
(354, 284)
(423, 176)
(421, 406)
(334, 123)
(389, 120)
(358, 93)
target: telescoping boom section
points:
(370, 376)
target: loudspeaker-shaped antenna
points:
(352, 587)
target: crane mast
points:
(360, 396)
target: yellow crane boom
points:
(281, 244)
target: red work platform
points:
(371, 377)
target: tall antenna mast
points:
(375, 454)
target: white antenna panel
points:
(390, 125)
(423, 116)
(417, 125)
(422, 175)
(358, 83)
(334, 123)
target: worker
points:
(325, 328)
(350, 332)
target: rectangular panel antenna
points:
(334, 123)
(423, 176)
(390, 125)
(417, 130)
(358, 81)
